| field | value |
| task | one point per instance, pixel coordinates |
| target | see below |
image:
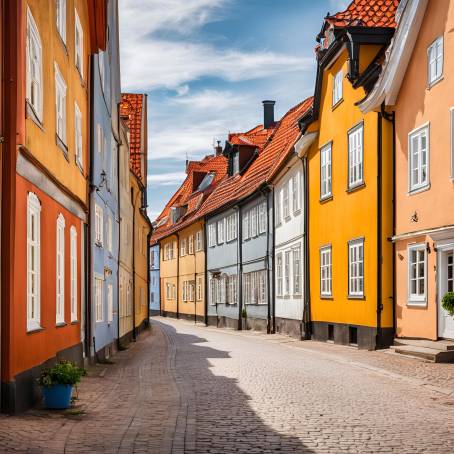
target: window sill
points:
(75, 322)
(435, 82)
(297, 212)
(62, 146)
(35, 329)
(338, 103)
(418, 190)
(287, 218)
(356, 297)
(327, 297)
(422, 304)
(32, 115)
(60, 325)
(326, 198)
(356, 187)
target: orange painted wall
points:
(416, 105)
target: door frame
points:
(442, 249)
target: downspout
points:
(149, 274)
(119, 229)
(194, 251)
(178, 274)
(306, 322)
(265, 192)
(205, 284)
(378, 340)
(273, 265)
(240, 268)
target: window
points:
(99, 307)
(183, 245)
(232, 296)
(34, 89)
(174, 250)
(247, 288)
(109, 234)
(287, 272)
(79, 45)
(199, 289)
(277, 202)
(418, 144)
(325, 271)
(253, 221)
(213, 291)
(356, 268)
(285, 200)
(262, 218)
(100, 139)
(99, 221)
(255, 287)
(191, 290)
(199, 241)
(110, 303)
(78, 135)
(355, 156)
(102, 69)
(222, 290)
(184, 295)
(279, 274)
(435, 61)
(113, 165)
(60, 104)
(261, 291)
(61, 18)
(297, 271)
(417, 274)
(296, 193)
(337, 87)
(73, 271)
(231, 227)
(33, 262)
(206, 182)
(60, 268)
(236, 163)
(246, 226)
(191, 244)
(325, 171)
(221, 231)
(212, 234)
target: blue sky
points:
(206, 65)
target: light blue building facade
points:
(155, 295)
(104, 206)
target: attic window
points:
(235, 163)
(206, 182)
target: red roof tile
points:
(366, 13)
(133, 110)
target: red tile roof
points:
(257, 136)
(133, 109)
(366, 13)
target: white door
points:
(446, 321)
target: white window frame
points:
(102, 69)
(337, 87)
(355, 277)
(78, 46)
(199, 241)
(287, 272)
(109, 303)
(253, 219)
(326, 171)
(356, 156)
(435, 61)
(262, 218)
(34, 84)
(418, 134)
(231, 229)
(296, 271)
(213, 291)
(100, 139)
(261, 287)
(33, 269)
(110, 233)
(183, 247)
(60, 18)
(60, 270)
(296, 199)
(73, 273)
(199, 289)
(285, 200)
(98, 284)
(78, 125)
(212, 234)
(278, 206)
(326, 271)
(191, 244)
(221, 231)
(246, 226)
(279, 275)
(60, 104)
(417, 299)
(99, 225)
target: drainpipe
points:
(205, 284)
(178, 274)
(378, 341)
(134, 200)
(269, 329)
(149, 273)
(306, 321)
(119, 227)
(240, 268)
(273, 264)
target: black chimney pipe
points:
(268, 113)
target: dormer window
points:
(235, 163)
(206, 182)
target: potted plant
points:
(447, 303)
(57, 384)
(244, 317)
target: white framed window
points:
(199, 289)
(221, 231)
(102, 69)
(113, 165)
(262, 218)
(296, 193)
(355, 156)
(60, 270)
(435, 61)
(174, 250)
(34, 89)
(60, 104)
(285, 200)
(100, 139)
(109, 233)
(73, 272)
(247, 288)
(79, 45)
(287, 272)
(326, 271)
(99, 225)
(110, 303)
(261, 289)
(199, 241)
(212, 234)
(296, 252)
(417, 274)
(279, 276)
(231, 228)
(223, 282)
(356, 268)
(60, 10)
(33, 262)
(78, 135)
(183, 247)
(337, 87)
(418, 146)
(253, 221)
(236, 163)
(191, 244)
(325, 171)
(232, 297)
(213, 300)
(246, 226)
(191, 290)
(99, 299)
(184, 293)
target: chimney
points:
(218, 148)
(268, 113)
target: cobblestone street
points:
(186, 388)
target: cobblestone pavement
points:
(186, 388)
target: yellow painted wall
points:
(168, 273)
(41, 141)
(349, 215)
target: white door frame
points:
(442, 250)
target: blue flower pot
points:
(57, 397)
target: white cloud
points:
(167, 178)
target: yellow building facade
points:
(169, 275)
(350, 179)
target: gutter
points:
(206, 270)
(378, 341)
(306, 322)
(240, 268)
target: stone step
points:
(441, 345)
(429, 354)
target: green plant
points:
(63, 373)
(447, 303)
(244, 313)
